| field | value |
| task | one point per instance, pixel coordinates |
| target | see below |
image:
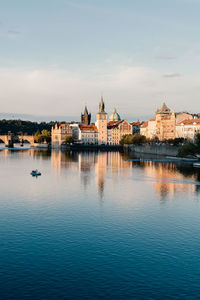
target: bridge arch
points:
(28, 138)
(4, 139)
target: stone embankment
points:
(164, 150)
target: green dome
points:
(114, 116)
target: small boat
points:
(196, 165)
(35, 173)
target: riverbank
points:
(163, 150)
(83, 147)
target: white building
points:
(187, 129)
(88, 134)
(151, 128)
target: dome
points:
(114, 116)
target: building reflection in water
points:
(168, 178)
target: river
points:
(98, 226)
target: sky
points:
(56, 56)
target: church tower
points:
(101, 123)
(85, 117)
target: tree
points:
(44, 136)
(69, 140)
(188, 148)
(139, 139)
(197, 142)
(129, 139)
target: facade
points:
(88, 134)
(59, 132)
(144, 129)
(151, 128)
(75, 131)
(182, 116)
(136, 127)
(187, 129)
(116, 130)
(165, 123)
(85, 117)
(101, 124)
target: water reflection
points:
(168, 178)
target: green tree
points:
(43, 137)
(187, 149)
(69, 140)
(197, 142)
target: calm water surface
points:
(98, 226)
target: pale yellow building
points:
(116, 130)
(59, 132)
(165, 123)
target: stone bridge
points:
(22, 138)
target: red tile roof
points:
(144, 125)
(136, 123)
(88, 127)
(111, 124)
(190, 121)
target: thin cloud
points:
(172, 75)
(165, 57)
(14, 32)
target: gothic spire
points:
(101, 105)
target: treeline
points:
(25, 127)
(138, 139)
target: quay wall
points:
(164, 150)
(83, 147)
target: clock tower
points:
(101, 123)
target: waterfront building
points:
(86, 117)
(101, 123)
(144, 129)
(116, 130)
(59, 132)
(75, 131)
(151, 133)
(165, 123)
(88, 134)
(187, 129)
(136, 127)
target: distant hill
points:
(23, 127)
(34, 118)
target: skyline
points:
(58, 56)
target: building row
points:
(108, 131)
(170, 125)
(103, 132)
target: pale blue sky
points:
(57, 55)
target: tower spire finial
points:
(101, 105)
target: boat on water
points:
(36, 173)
